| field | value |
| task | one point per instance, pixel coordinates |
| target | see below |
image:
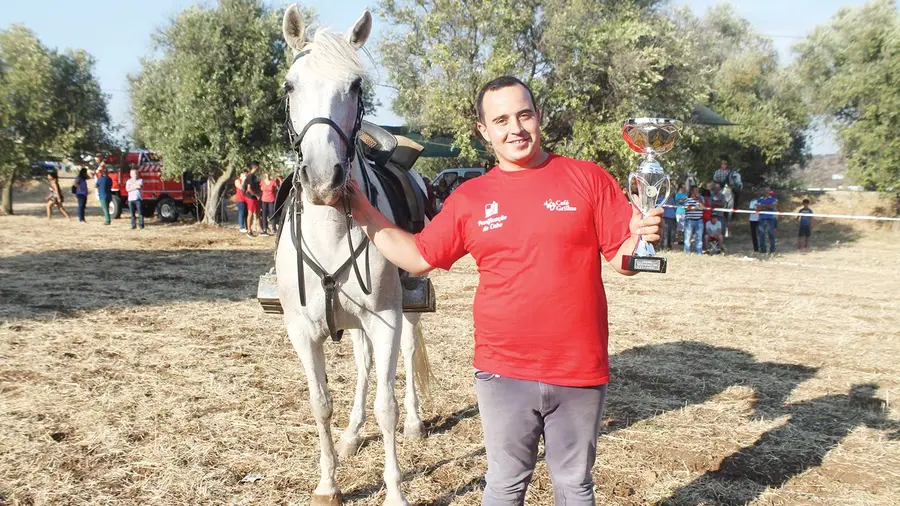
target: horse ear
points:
(292, 28)
(358, 35)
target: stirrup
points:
(267, 293)
(418, 294)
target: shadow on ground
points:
(648, 381)
(64, 282)
(814, 428)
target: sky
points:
(118, 33)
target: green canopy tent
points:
(703, 115)
(439, 146)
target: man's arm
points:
(396, 244)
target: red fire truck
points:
(167, 197)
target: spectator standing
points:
(252, 197)
(766, 226)
(670, 225)
(680, 198)
(754, 222)
(55, 197)
(133, 186)
(805, 225)
(104, 191)
(269, 188)
(693, 221)
(81, 192)
(240, 202)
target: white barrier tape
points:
(813, 215)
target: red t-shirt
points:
(540, 308)
(268, 190)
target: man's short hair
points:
(496, 84)
(805, 201)
(253, 164)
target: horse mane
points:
(332, 56)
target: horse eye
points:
(357, 84)
(288, 87)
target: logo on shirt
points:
(491, 219)
(559, 205)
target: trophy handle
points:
(668, 190)
(633, 177)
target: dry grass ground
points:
(136, 367)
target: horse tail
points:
(421, 367)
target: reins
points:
(296, 207)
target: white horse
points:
(323, 88)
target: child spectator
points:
(805, 225)
(714, 237)
(81, 192)
(754, 221)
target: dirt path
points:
(136, 367)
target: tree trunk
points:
(214, 189)
(6, 204)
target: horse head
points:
(323, 90)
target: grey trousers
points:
(515, 414)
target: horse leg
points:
(362, 351)
(312, 355)
(386, 344)
(413, 427)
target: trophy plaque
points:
(650, 137)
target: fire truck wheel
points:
(167, 210)
(115, 207)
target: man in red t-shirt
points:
(536, 229)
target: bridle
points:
(296, 207)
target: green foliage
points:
(852, 67)
(591, 65)
(748, 88)
(52, 104)
(211, 101)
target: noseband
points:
(296, 206)
(296, 139)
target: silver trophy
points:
(650, 137)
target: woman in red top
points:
(239, 202)
(269, 189)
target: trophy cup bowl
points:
(648, 186)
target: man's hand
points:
(647, 227)
(396, 244)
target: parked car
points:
(450, 179)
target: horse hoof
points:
(349, 447)
(396, 501)
(414, 430)
(326, 500)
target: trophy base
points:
(644, 264)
